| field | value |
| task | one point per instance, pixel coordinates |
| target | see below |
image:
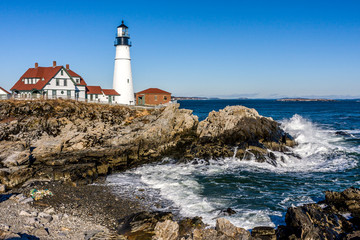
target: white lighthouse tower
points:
(122, 82)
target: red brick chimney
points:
(67, 66)
(36, 65)
(54, 63)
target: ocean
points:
(328, 137)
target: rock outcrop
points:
(160, 226)
(242, 127)
(338, 217)
(77, 142)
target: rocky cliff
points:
(77, 142)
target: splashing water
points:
(259, 192)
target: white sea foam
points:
(319, 151)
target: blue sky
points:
(257, 49)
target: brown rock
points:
(263, 233)
(167, 230)
(225, 227)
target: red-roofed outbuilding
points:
(152, 96)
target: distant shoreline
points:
(305, 100)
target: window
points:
(165, 98)
(155, 98)
(62, 72)
(128, 80)
(91, 97)
(65, 82)
(78, 80)
(113, 98)
(57, 82)
(54, 93)
(96, 96)
(62, 92)
(69, 93)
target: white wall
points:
(61, 89)
(82, 92)
(122, 81)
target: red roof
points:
(110, 92)
(74, 74)
(4, 90)
(94, 90)
(45, 73)
(153, 90)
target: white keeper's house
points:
(59, 82)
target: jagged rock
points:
(141, 225)
(263, 233)
(225, 227)
(346, 201)
(167, 230)
(227, 212)
(241, 127)
(187, 226)
(315, 221)
(205, 234)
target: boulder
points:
(142, 225)
(263, 233)
(167, 230)
(188, 225)
(225, 227)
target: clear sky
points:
(257, 49)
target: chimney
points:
(67, 66)
(36, 65)
(54, 63)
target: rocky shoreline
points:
(78, 142)
(92, 212)
(64, 146)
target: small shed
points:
(152, 96)
(4, 94)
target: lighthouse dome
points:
(122, 25)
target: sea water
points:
(260, 193)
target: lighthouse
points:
(122, 81)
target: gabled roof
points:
(74, 74)
(4, 90)
(94, 90)
(111, 92)
(44, 73)
(153, 90)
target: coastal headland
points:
(66, 145)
